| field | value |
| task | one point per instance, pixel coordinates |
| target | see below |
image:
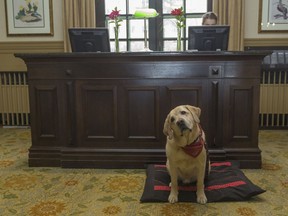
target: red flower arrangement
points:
(114, 14)
(114, 17)
(179, 14)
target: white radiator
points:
(14, 99)
(274, 99)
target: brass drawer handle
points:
(215, 71)
(68, 72)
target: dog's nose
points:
(180, 122)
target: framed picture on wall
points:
(273, 16)
(29, 17)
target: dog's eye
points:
(172, 119)
(183, 112)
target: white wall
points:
(57, 23)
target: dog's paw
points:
(201, 199)
(173, 198)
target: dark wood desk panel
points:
(107, 110)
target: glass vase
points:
(116, 31)
(178, 39)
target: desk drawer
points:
(118, 70)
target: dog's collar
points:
(195, 148)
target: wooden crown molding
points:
(266, 42)
(28, 46)
(58, 46)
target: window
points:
(161, 30)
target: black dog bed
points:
(226, 182)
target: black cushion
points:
(226, 182)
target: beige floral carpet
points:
(55, 191)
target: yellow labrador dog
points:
(187, 155)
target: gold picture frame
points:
(272, 16)
(29, 17)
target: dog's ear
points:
(195, 112)
(167, 130)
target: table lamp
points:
(145, 13)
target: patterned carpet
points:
(54, 191)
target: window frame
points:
(156, 39)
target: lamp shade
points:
(145, 13)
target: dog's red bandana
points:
(195, 148)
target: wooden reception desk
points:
(107, 110)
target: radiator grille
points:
(14, 100)
(274, 99)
